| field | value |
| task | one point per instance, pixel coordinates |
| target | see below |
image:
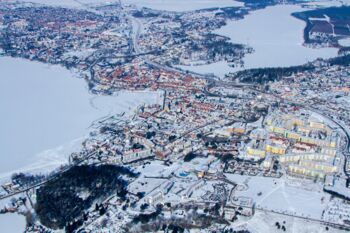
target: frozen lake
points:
(45, 113)
(276, 37)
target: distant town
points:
(260, 150)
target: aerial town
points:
(263, 150)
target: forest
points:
(62, 200)
(265, 75)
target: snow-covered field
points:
(12, 223)
(219, 69)
(284, 196)
(265, 222)
(45, 107)
(345, 42)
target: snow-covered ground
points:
(266, 222)
(283, 196)
(12, 223)
(345, 42)
(45, 107)
(219, 69)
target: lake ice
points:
(45, 113)
(276, 37)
